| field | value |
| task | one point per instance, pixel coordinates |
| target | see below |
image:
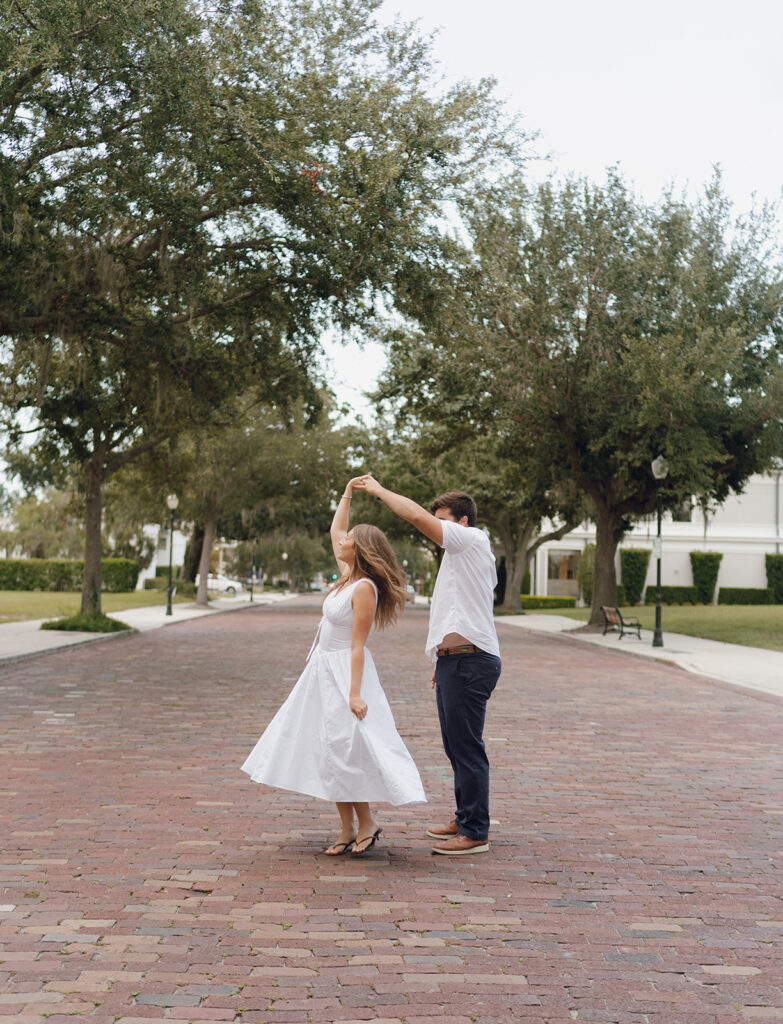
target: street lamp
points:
(252, 568)
(172, 501)
(660, 469)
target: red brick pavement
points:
(634, 875)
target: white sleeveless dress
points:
(316, 745)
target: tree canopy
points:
(189, 193)
(592, 331)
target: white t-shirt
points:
(464, 590)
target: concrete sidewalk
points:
(27, 639)
(751, 667)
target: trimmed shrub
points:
(672, 595)
(621, 596)
(746, 595)
(705, 566)
(586, 573)
(633, 568)
(163, 570)
(119, 574)
(544, 601)
(774, 566)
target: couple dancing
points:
(334, 737)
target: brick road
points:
(634, 875)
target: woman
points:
(334, 737)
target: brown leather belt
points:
(462, 649)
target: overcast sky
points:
(666, 89)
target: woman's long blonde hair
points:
(374, 558)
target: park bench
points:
(613, 619)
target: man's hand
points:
(367, 483)
(403, 507)
(432, 681)
(358, 706)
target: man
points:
(463, 644)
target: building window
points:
(683, 513)
(562, 568)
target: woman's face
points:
(345, 548)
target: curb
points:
(98, 638)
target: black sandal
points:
(339, 848)
(370, 840)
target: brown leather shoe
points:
(443, 831)
(460, 845)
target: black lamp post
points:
(172, 501)
(660, 469)
(252, 568)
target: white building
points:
(160, 534)
(744, 529)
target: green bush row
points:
(540, 601)
(671, 595)
(185, 588)
(119, 574)
(774, 565)
(746, 595)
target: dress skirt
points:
(315, 745)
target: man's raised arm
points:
(403, 507)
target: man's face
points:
(446, 513)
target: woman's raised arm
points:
(339, 527)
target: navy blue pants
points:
(463, 685)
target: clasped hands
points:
(366, 482)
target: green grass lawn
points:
(752, 625)
(17, 605)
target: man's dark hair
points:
(458, 503)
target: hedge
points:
(774, 565)
(543, 601)
(705, 566)
(185, 588)
(119, 574)
(746, 595)
(633, 568)
(671, 595)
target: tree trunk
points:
(517, 557)
(203, 568)
(91, 581)
(193, 553)
(608, 533)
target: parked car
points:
(410, 594)
(223, 584)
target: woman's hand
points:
(358, 707)
(353, 484)
(367, 483)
